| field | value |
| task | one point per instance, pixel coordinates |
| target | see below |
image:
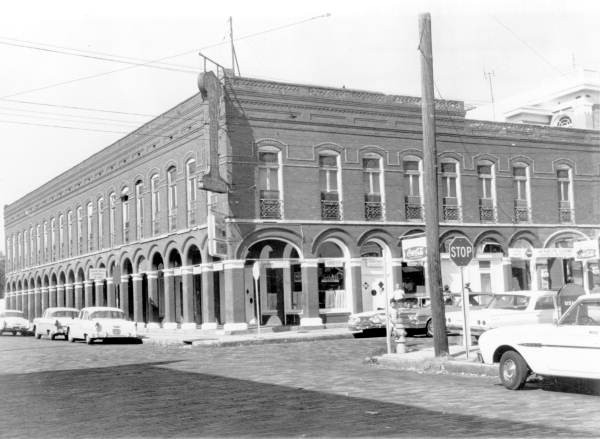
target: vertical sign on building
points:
(217, 234)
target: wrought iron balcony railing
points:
(270, 208)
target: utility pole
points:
(488, 76)
(434, 275)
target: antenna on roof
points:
(488, 76)
(234, 60)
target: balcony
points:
(566, 214)
(270, 208)
(487, 210)
(522, 212)
(451, 211)
(413, 208)
(373, 211)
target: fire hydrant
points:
(398, 331)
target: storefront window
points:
(332, 278)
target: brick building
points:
(318, 184)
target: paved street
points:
(323, 388)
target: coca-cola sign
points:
(415, 253)
(414, 249)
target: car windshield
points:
(411, 302)
(11, 314)
(509, 301)
(476, 300)
(107, 314)
(64, 313)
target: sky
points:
(360, 45)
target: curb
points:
(436, 365)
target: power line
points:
(61, 115)
(74, 107)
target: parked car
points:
(569, 348)
(99, 323)
(54, 321)
(508, 308)
(12, 320)
(414, 312)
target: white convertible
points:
(55, 321)
(101, 322)
(570, 348)
(508, 308)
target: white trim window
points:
(330, 176)
(112, 206)
(486, 171)
(70, 233)
(172, 197)
(139, 210)
(79, 214)
(61, 236)
(53, 239)
(373, 187)
(25, 248)
(38, 244)
(522, 193)
(191, 192)
(413, 188)
(269, 183)
(100, 215)
(45, 241)
(451, 196)
(19, 251)
(125, 214)
(155, 204)
(566, 211)
(31, 246)
(90, 226)
(8, 254)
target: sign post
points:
(461, 253)
(256, 276)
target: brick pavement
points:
(322, 388)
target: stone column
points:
(78, 295)
(235, 306)
(60, 295)
(51, 297)
(310, 294)
(169, 320)
(187, 281)
(110, 292)
(138, 304)
(152, 299)
(89, 299)
(99, 285)
(208, 298)
(24, 302)
(125, 294)
(69, 302)
(41, 301)
(33, 297)
(354, 267)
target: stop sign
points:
(461, 251)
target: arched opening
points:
(279, 284)
(70, 290)
(102, 292)
(333, 278)
(53, 293)
(555, 271)
(521, 265)
(60, 294)
(141, 268)
(80, 295)
(413, 271)
(126, 292)
(157, 303)
(176, 301)
(194, 259)
(376, 274)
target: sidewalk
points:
(218, 337)
(424, 361)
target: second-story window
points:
(90, 226)
(268, 184)
(38, 243)
(25, 248)
(19, 251)
(61, 236)
(79, 215)
(70, 233)
(155, 204)
(329, 182)
(450, 191)
(191, 191)
(139, 210)
(372, 186)
(31, 246)
(125, 213)
(100, 215)
(565, 195)
(412, 187)
(45, 241)
(53, 239)
(487, 192)
(521, 193)
(112, 206)
(172, 197)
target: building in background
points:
(319, 186)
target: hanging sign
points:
(585, 250)
(414, 249)
(97, 273)
(554, 252)
(334, 262)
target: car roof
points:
(100, 308)
(528, 293)
(61, 308)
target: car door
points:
(77, 327)
(575, 347)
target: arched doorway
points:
(553, 272)
(177, 287)
(141, 268)
(334, 283)
(127, 289)
(194, 259)
(70, 290)
(79, 293)
(376, 274)
(157, 303)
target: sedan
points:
(13, 321)
(100, 323)
(54, 321)
(569, 348)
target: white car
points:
(101, 322)
(569, 348)
(12, 320)
(508, 308)
(54, 321)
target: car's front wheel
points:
(37, 335)
(513, 370)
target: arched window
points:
(19, 251)
(486, 171)
(25, 248)
(522, 193)
(172, 197)
(45, 241)
(31, 246)
(90, 226)
(125, 213)
(564, 175)
(330, 182)
(373, 187)
(269, 183)
(38, 243)
(53, 241)
(564, 122)
(79, 230)
(413, 188)
(112, 200)
(100, 215)
(70, 233)
(191, 179)
(451, 201)
(139, 210)
(61, 236)
(155, 204)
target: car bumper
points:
(16, 328)
(475, 331)
(110, 334)
(360, 328)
